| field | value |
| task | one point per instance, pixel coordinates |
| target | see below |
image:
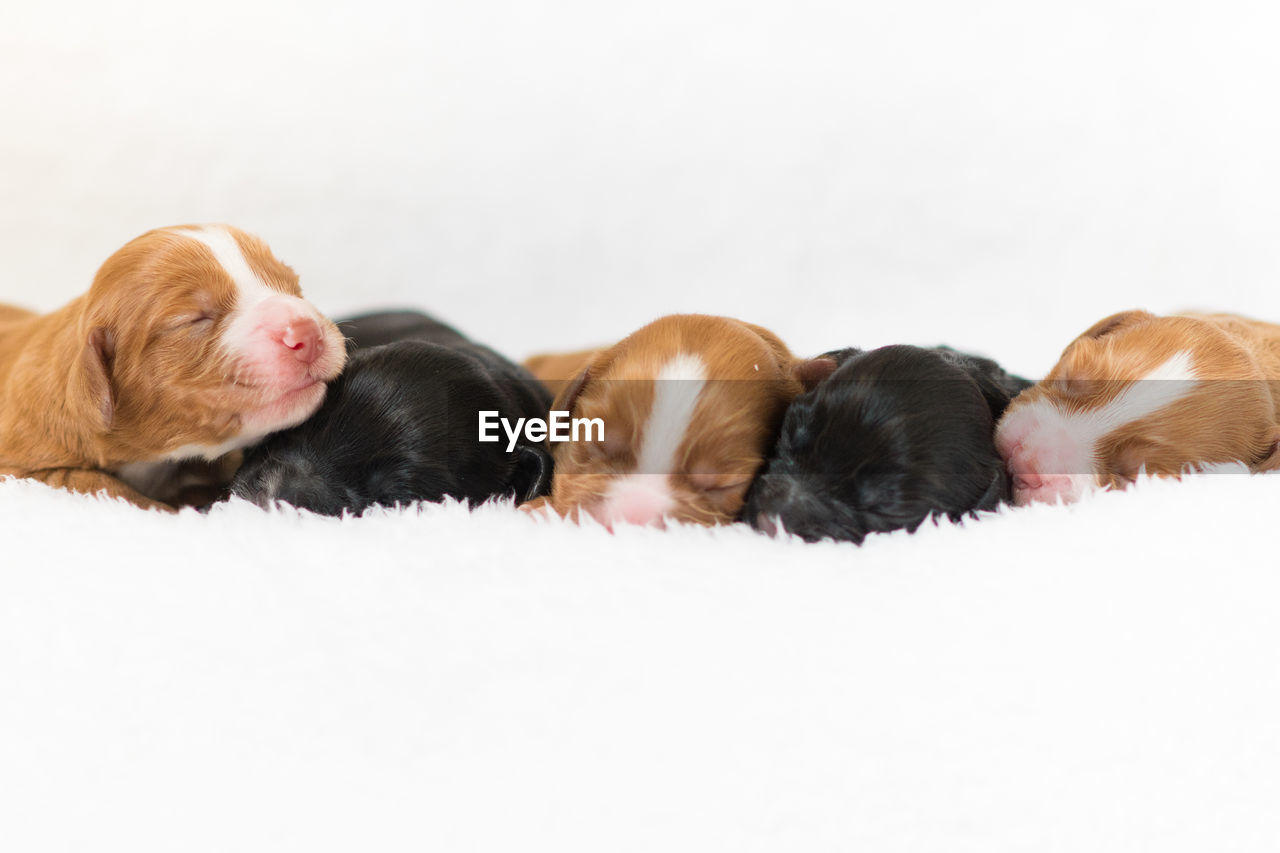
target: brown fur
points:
(130, 371)
(751, 379)
(555, 370)
(1233, 413)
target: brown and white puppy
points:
(193, 341)
(1138, 392)
(691, 405)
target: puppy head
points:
(894, 436)
(690, 406)
(196, 341)
(1138, 392)
(290, 470)
(397, 427)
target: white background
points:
(996, 175)
(993, 175)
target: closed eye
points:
(190, 323)
(713, 488)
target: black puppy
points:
(892, 437)
(401, 425)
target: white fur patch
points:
(645, 495)
(1067, 442)
(1163, 386)
(227, 252)
(675, 397)
(250, 289)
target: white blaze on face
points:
(675, 397)
(280, 346)
(265, 319)
(1045, 441)
(228, 254)
(645, 496)
(250, 289)
(1162, 387)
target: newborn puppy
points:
(892, 437)
(401, 425)
(1139, 392)
(690, 406)
(192, 342)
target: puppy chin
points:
(289, 390)
(286, 410)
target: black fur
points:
(401, 425)
(895, 435)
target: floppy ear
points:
(840, 356)
(1137, 456)
(553, 369)
(811, 371)
(807, 371)
(532, 477)
(997, 492)
(998, 385)
(89, 394)
(1270, 461)
(1116, 321)
(997, 397)
(569, 394)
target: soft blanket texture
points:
(1093, 677)
(995, 174)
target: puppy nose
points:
(1026, 481)
(302, 336)
(638, 507)
(1049, 488)
(641, 499)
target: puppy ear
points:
(89, 391)
(1271, 460)
(840, 356)
(997, 492)
(532, 477)
(554, 368)
(569, 394)
(811, 371)
(807, 371)
(997, 398)
(1139, 456)
(1110, 324)
(998, 387)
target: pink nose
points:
(302, 336)
(1033, 481)
(634, 503)
(637, 508)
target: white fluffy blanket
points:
(994, 175)
(1094, 677)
